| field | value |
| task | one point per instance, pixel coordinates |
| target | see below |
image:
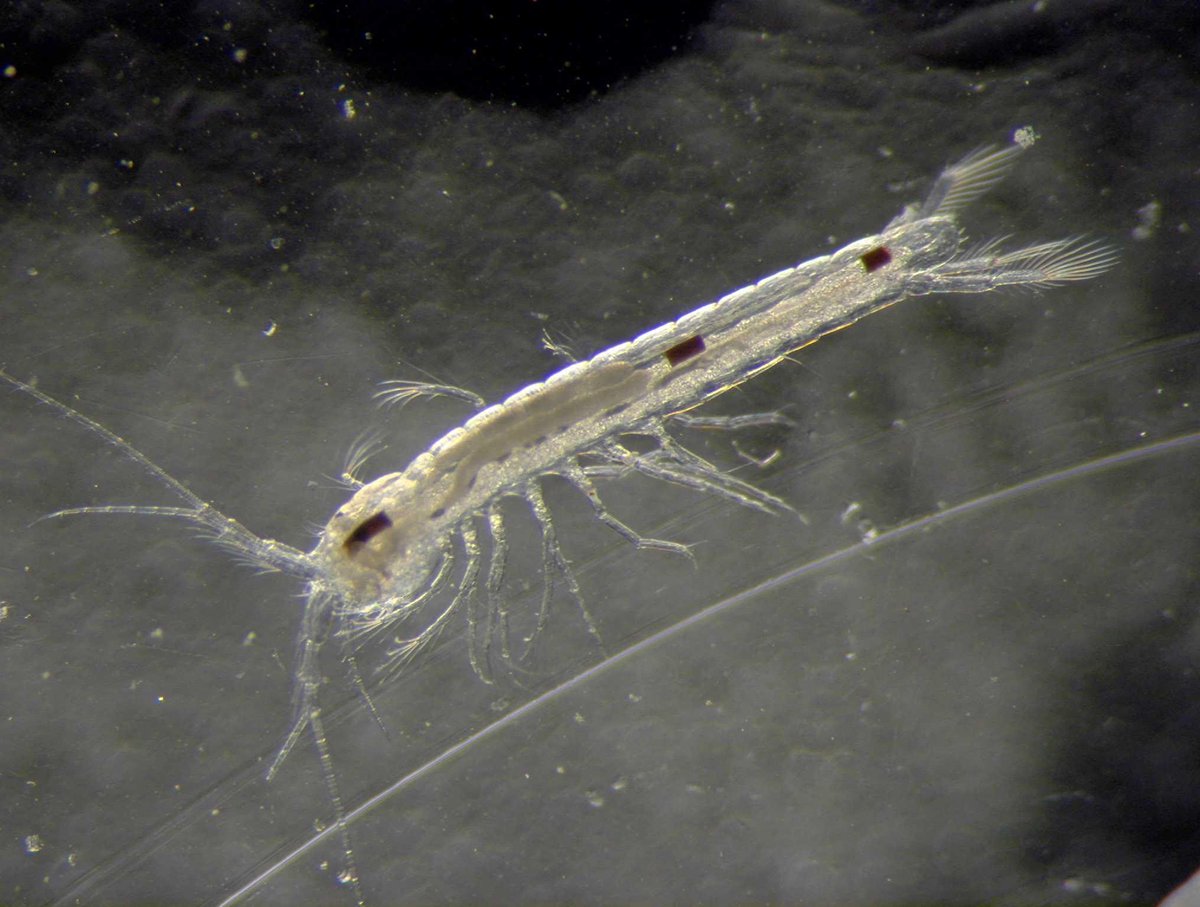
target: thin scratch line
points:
(1120, 459)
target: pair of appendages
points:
(488, 623)
(479, 589)
(487, 619)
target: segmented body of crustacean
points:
(403, 556)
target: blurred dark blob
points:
(540, 54)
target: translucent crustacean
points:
(403, 556)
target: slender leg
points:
(497, 603)
(673, 462)
(349, 874)
(579, 477)
(314, 628)
(405, 649)
(358, 622)
(554, 562)
(732, 423)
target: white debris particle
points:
(1149, 218)
(1025, 137)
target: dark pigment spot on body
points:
(685, 350)
(876, 258)
(367, 530)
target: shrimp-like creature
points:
(403, 556)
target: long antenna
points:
(226, 531)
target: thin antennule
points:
(224, 530)
(365, 446)
(398, 392)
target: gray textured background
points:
(999, 708)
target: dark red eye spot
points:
(876, 258)
(367, 530)
(685, 350)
